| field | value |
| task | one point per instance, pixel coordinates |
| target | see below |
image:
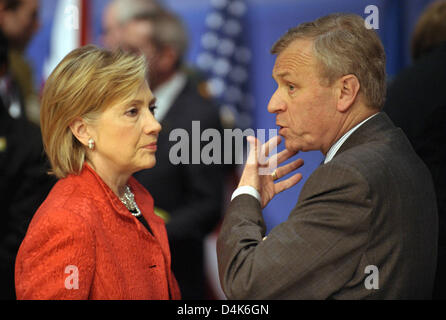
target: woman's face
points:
(126, 134)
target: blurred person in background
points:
(24, 182)
(19, 23)
(188, 196)
(416, 102)
(117, 13)
(96, 235)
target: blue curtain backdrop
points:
(264, 22)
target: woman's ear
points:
(79, 129)
(348, 92)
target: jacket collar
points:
(93, 179)
(374, 129)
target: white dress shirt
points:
(330, 154)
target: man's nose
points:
(276, 103)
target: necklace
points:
(128, 199)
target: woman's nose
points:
(151, 125)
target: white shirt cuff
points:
(246, 190)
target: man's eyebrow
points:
(281, 74)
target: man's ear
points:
(79, 129)
(348, 88)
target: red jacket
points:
(83, 243)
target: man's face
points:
(112, 32)
(137, 39)
(19, 25)
(305, 110)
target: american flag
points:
(225, 59)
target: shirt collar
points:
(335, 147)
(167, 93)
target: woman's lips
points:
(152, 146)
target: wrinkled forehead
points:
(139, 95)
(297, 55)
(142, 93)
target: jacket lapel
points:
(374, 129)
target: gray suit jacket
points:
(372, 205)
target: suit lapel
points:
(374, 129)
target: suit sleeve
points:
(56, 260)
(28, 191)
(309, 256)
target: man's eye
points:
(291, 87)
(152, 109)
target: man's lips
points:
(281, 128)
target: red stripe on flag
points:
(85, 22)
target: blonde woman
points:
(96, 235)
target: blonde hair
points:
(84, 83)
(343, 45)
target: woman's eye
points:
(152, 109)
(132, 112)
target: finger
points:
(270, 145)
(280, 157)
(285, 155)
(252, 155)
(290, 167)
(287, 183)
(265, 150)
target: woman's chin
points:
(151, 163)
(147, 165)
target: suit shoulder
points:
(195, 99)
(389, 166)
(391, 150)
(334, 176)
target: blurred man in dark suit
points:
(19, 22)
(416, 102)
(24, 182)
(365, 224)
(187, 195)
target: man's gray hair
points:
(129, 9)
(343, 45)
(168, 31)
